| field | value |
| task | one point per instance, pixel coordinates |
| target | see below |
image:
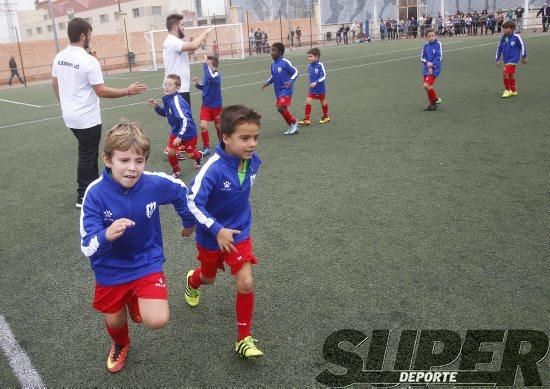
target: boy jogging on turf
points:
(219, 200)
(122, 237)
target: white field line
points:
(17, 102)
(18, 359)
(260, 82)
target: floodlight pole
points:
(20, 56)
(52, 16)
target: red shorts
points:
(283, 101)
(112, 298)
(430, 79)
(210, 114)
(509, 69)
(316, 96)
(186, 145)
(212, 260)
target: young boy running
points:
(183, 128)
(211, 100)
(511, 48)
(432, 57)
(219, 200)
(317, 89)
(283, 76)
(122, 237)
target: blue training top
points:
(139, 251)
(218, 200)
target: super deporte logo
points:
(479, 358)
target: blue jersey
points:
(511, 48)
(139, 251)
(318, 75)
(282, 71)
(179, 116)
(211, 88)
(218, 200)
(432, 52)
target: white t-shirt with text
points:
(176, 61)
(76, 72)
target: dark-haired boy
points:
(283, 76)
(511, 48)
(219, 199)
(317, 90)
(432, 58)
(211, 100)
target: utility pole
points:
(125, 35)
(20, 56)
(52, 16)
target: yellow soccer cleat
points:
(191, 295)
(506, 94)
(304, 122)
(513, 93)
(247, 349)
(324, 119)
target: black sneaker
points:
(436, 104)
(430, 107)
(79, 202)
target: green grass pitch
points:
(388, 217)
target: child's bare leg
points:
(218, 129)
(154, 312)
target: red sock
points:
(173, 160)
(196, 154)
(205, 139)
(244, 307)
(506, 83)
(512, 84)
(432, 96)
(325, 110)
(308, 112)
(119, 335)
(288, 117)
(195, 280)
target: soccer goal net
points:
(225, 41)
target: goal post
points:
(226, 40)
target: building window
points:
(198, 5)
(39, 30)
(137, 12)
(29, 31)
(45, 17)
(156, 10)
(49, 26)
(104, 18)
(61, 26)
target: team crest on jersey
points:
(280, 70)
(252, 179)
(226, 185)
(108, 216)
(513, 44)
(150, 209)
(316, 71)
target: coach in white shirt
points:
(77, 81)
(175, 52)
